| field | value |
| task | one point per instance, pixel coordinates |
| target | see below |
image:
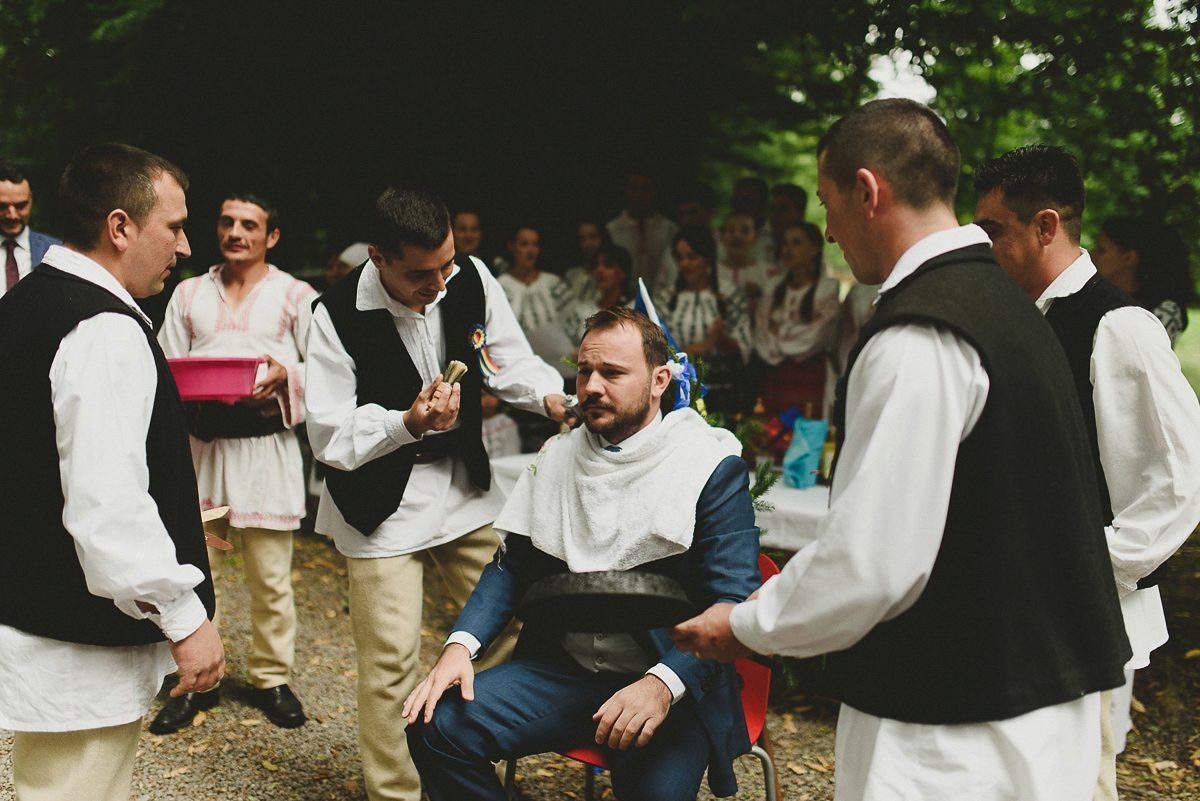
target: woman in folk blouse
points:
(796, 326)
(538, 299)
(708, 321)
(609, 268)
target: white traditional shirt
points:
(760, 274)
(1148, 430)
(649, 244)
(579, 281)
(915, 394)
(103, 380)
(780, 333)
(538, 304)
(440, 504)
(261, 479)
(695, 312)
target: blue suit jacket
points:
(721, 565)
(38, 245)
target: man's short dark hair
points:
(107, 177)
(797, 194)
(1034, 178)
(408, 217)
(11, 172)
(901, 140)
(262, 202)
(654, 341)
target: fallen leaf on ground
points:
(173, 773)
(201, 716)
(269, 765)
(799, 770)
(250, 722)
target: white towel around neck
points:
(599, 510)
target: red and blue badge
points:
(479, 344)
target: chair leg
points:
(510, 780)
(770, 780)
(589, 782)
(764, 741)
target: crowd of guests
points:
(749, 298)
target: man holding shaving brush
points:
(408, 476)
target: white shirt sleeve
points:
(102, 385)
(1148, 430)
(291, 402)
(915, 393)
(524, 380)
(174, 337)
(342, 433)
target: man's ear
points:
(867, 187)
(660, 379)
(376, 257)
(119, 229)
(1048, 225)
(272, 238)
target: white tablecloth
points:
(788, 527)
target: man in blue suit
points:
(632, 489)
(23, 247)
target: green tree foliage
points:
(542, 103)
(1114, 80)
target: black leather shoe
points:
(178, 712)
(280, 704)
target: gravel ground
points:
(233, 753)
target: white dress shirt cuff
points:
(669, 678)
(393, 424)
(181, 617)
(466, 640)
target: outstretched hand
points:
(435, 409)
(635, 711)
(709, 635)
(556, 410)
(454, 667)
(201, 660)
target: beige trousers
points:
(267, 560)
(1106, 784)
(87, 765)
(385, 617)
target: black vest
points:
(1020, 610)
(1074, 320)
(42, 586)
(387, 376)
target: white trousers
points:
(1050, 754)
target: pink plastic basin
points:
(204, 378)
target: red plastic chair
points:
(756, 683)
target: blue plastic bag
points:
(803, 457)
